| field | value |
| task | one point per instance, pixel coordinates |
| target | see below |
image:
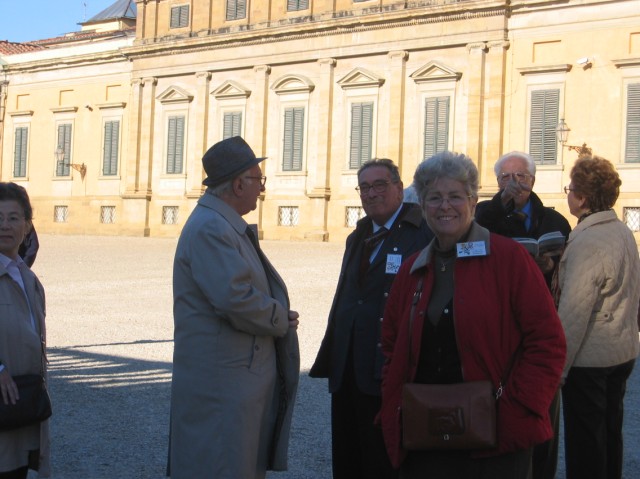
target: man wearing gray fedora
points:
(236, 360)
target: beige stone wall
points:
(486, 61)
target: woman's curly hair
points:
(597, 180)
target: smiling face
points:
(448, 222)
(379, 205)
(13, 228)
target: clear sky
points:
(25, 20)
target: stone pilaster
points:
(195, 172)
(475, 109)
(395, 131)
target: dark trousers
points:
(592, 400)
(357, 445)
(459, 465)
(20, 473)
(545, 455)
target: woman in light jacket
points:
(599, 281)
(485, 313)
(22, 334)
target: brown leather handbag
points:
(448, 416)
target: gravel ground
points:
(110, 346)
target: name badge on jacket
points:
(393, 263)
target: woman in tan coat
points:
(599, 280)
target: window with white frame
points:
(175, 144)
(21, 142)
(543, 144)
(293, 140)
(110, 147)
(236, 9)
(232, 124)
(632, 124)
(631, 217)
(361, 143)
(352, 215)
(436, 125)
(107, 214)
(295, 5)
(170, 215)
(179, 16)
(288, 216)
(60, 213)
(64, 142)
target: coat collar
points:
(410, 213)
(216, 204)
(476, 233)
(593, 219)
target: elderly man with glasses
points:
(350, 354)
(517, 212)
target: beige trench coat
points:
(21, 353)
(236, 362)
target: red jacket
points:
(500, 301)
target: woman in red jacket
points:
(484, 306)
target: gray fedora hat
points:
(227, 159)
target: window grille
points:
(60, 213)
(632, 218)
(352, 215)
(107, 214)
(288, 216)
(170, 215)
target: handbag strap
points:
(412, 314)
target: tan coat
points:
(599, 279)
(236, 362)
(21, 353)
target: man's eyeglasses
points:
(379, 186)
(453, 200)
(567, 190)
(519, 177)
(263, 179)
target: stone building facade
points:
(318, 87)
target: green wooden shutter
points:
(294, 5)
(436, 125)
(175, 144)
(632, 143)
(361, 134)
(64, 141)
(232, 124)
(236, 9)
(293, 139)
(110, 149)
(543, 145)
(20, 152)
(179, 16)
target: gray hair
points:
(385, 163)
(222, 189)
(531, 165)
(448, 164)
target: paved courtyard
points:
(110, 332)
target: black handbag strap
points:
(412, 314)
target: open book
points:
(549, 244)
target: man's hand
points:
(8, 388)
(293, 319)
(518, 192)
(545, 263)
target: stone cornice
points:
(562, 67)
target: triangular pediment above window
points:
(175, 94)
(435, 71)
(360, 78)
(292, 84)
(230, 89)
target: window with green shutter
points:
(632, 142)
(236, 9)
(232, 124)
(20, 152)
(295, 5)
(110, 148)
(543, 145)
(179, 17)
(293, 139)
(436, 125)
(361, 134)
(64, 142)
(175, 145)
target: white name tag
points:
(472, 248)
(393, 263)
